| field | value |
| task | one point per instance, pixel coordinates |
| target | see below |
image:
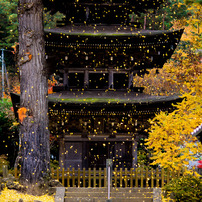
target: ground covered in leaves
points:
(8, 195)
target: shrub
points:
(8, 132)
(186, 189)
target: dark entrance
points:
(120, 152)
(98, 81)
(121, 81)
(76, 80)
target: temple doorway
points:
(76, 80)
(98, 80)
(120, 80)
(120, 152)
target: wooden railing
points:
(138, 177)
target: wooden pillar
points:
(86, 79)
(130, 80)
(65, 79)
(84, 155)
(134, 154)
(111, 79)
(145, 21)
(61, 153)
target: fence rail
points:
(138, 177)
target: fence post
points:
(105, 177)
(157, 177)
(121, 177)
(79, 177)
(141, 176)
(136, 177)
(89, 177)
(115, 177)
(68, 176)
(100, 179)
(63, 176)
(152, 178)
(84, 177)
(162, 177)
(131, 177)
(126, 177)
(94, 177)
(146, 176)
(73, 177)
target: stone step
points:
(113, 190)
(104, 194)
(131, 199)
(135, 194)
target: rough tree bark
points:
(34, 135)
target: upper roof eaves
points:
(112, 30)
(138, 5)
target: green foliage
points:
(51, 20)
(187, 189)
(54, 164)
(168, 12)
(193, 1)
(8, 23)
(5, 107)
(142, 158)
(143, 154)
(174, 10)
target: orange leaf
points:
(50, 90)
(22, 114)
(30, 57)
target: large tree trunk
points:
(34, 135)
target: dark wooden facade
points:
(96, 113)
(96, 50)
(92, 131)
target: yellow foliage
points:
(13, 196)
(170, 135)
(181, 71)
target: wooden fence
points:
(138, 177)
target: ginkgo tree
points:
(170, 136)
